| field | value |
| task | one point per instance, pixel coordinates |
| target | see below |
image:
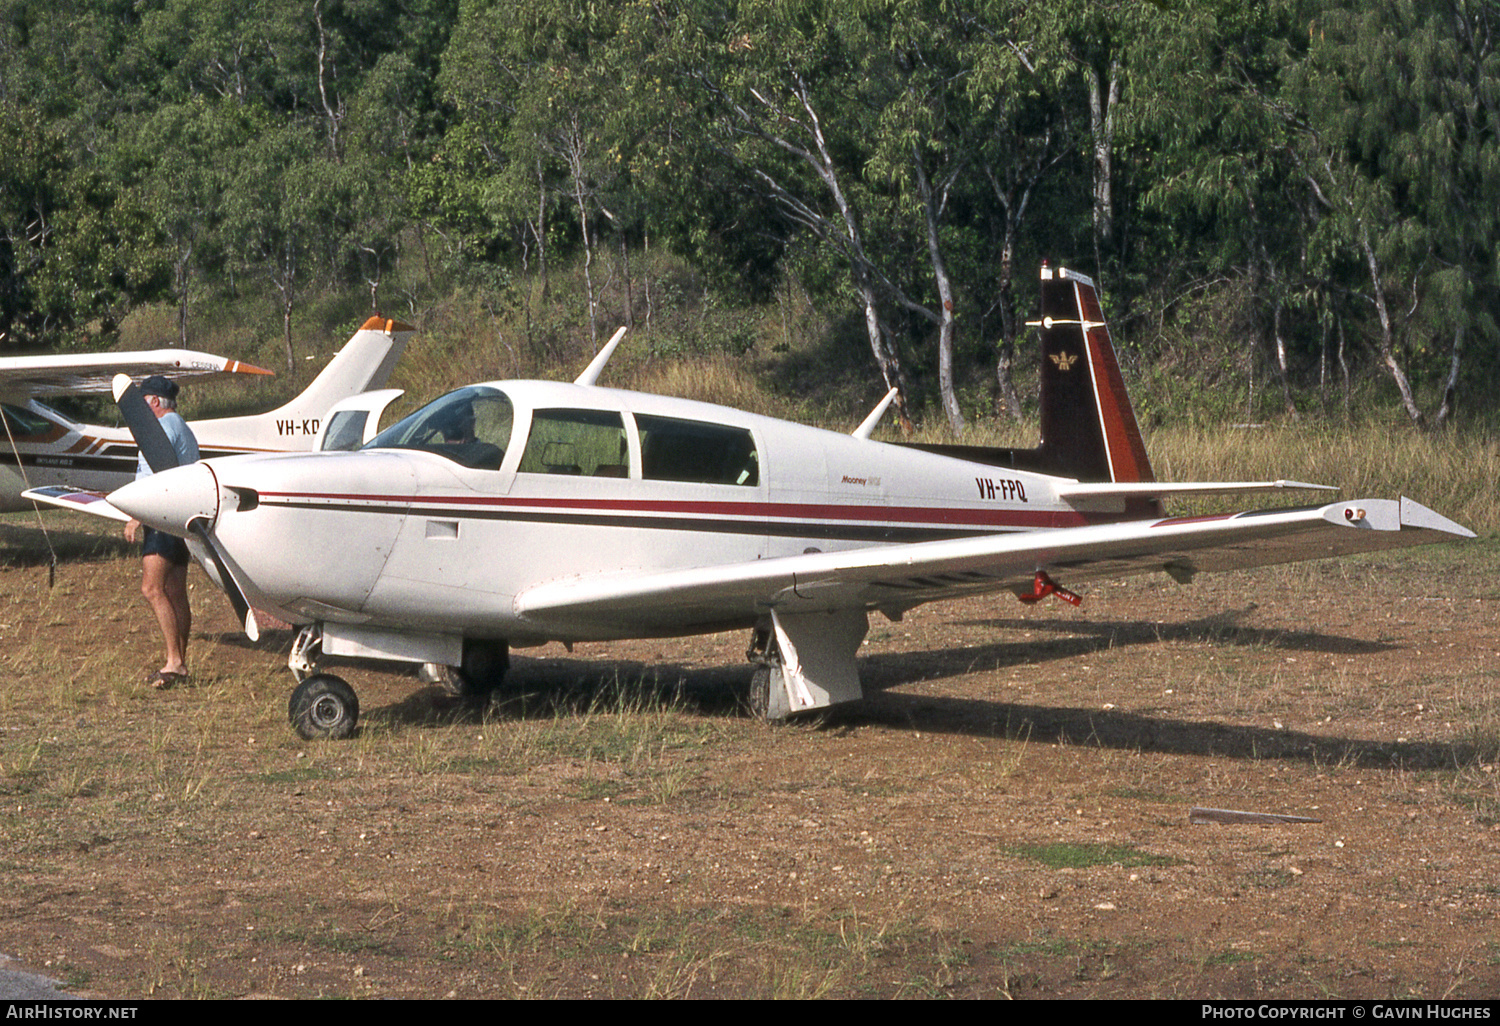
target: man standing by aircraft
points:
(164, 557)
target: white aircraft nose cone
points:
(170, 500)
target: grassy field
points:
(1005, 815)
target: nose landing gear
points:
(325, 706)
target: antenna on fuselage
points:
(867, 426)
(591, 373)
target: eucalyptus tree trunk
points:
(1281, 362)
(945, 297)
(1103, 95)
(1450, 387)
(1388, 333)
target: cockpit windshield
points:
(471, 426)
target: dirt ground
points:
(1006, 815)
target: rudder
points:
(1089, 430)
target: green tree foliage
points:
(31, 205)
(1333, 161)
(1397, 138)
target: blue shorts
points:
(168, 546)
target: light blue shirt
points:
(181, 437)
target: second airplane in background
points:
(46, 451)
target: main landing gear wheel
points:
(485, 664)
(767, 696)
(760, 692)
(323, 706)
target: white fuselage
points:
(405, 539)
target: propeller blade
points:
(148, 434)
(226, 579)
(162, 455)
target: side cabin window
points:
(692, 450)
(471, 426)
(22, 423)
(578, 443)
(346, 430)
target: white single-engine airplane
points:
(522, 512)
(63, 461)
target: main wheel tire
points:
(485, 664)
(324, 706)
(760, 692)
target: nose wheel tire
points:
(324, 706)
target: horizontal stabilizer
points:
(1161, 489)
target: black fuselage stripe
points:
(115, 460)
(715, 525)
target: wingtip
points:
(386, 325)
(1414, 514)
(236, 367)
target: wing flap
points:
(902, 576)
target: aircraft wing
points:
(74, 498)
(898, 577)
(89, 373)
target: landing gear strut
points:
(481, 673)
(307, 648)
(807, 661)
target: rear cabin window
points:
(692, 450)
(25, 424)
(578, 443)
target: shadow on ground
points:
(544, 688)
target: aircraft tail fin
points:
(1089, 429)
(365, 363)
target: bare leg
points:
(165, 589)
(177, 592)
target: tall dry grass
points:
(1453, 472)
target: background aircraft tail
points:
(364, 363)
(1089, 430)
